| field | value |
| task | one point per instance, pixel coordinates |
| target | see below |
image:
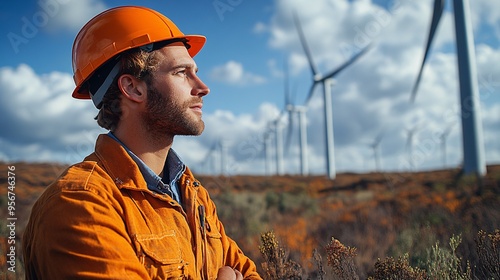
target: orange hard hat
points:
(119, 29)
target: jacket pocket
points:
(161, 255)
(215, 251)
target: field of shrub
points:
(426, 225)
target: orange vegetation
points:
(380, 214)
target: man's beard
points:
(164, 117)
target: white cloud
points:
(487, 10)
(259, 28)
(40, 120)
(488, 60)
(69, 14)
(276, 69)
(491, 122)
(233, 73)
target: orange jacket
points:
(100, 221)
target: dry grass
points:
(381, 214)
(440, 263)
(488, 249)
(341, 260)
(397, 269)
(277, 264)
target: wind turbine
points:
(304, 163)
(267, 151)
(472, 132)
(275, 127)
(409, 145)
(278, 137)
(326, 81)
(210, 158)
(301, 112)
(375, 145)
(219, 148)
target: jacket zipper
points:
(201, 210)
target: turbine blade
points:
(436, 17)
(304, 44)
(347, 63)
(289, 132)
(311, 92)
(378, 139)
(449, 129)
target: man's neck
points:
(152, 152)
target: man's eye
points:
(180, 71)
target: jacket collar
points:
(115, 160)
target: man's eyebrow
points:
(184, 65)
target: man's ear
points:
(132, 88)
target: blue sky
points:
(242, 62)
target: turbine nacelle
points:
(317, 78)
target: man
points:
(132, 209)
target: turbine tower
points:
(278, 134)
(326, 81)
(267, 152)
(210, 159)
(409, 145)
(274, 132)
(472, 132)
(376, 151)
(293, 110)
(304, 163)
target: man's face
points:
(174, 103)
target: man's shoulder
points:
(78, 182)
(85, 175)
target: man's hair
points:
(138, 63)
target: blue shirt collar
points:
(172, 172)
